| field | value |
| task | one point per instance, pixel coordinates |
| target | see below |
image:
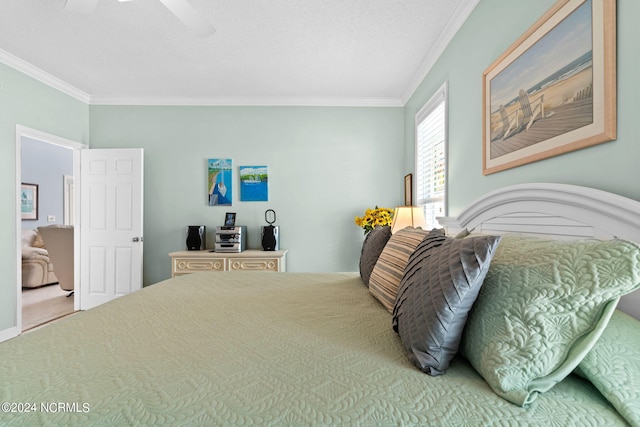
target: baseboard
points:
(9, 333)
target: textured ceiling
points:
(298, 52)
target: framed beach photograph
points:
(408, 189)
(29, 201)
(554, 90)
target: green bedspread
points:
(254, 349)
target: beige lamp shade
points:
(408, 216)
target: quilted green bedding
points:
(255, 349)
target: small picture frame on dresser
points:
(230, 219)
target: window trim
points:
(440, 95)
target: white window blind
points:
(431, 159)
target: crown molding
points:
(56, 83)
(459, 16)
(42, 76)
(250, 101)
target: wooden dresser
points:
(185, 262)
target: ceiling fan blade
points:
(84, 7)
(190, 17)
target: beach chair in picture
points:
(529, 114)
(508, 125)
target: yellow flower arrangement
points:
(375, 217)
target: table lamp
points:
(408, 216)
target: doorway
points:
(44, 303)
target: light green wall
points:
(30, 103)
(326, 165)
(491, 28)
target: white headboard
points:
(558, 211)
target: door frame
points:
(24, 131)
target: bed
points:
(252, 348)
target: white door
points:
(111, 198)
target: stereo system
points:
(196, 237)
(231, 239)
(270, 233)
(271, 238)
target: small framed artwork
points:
(254, 184)
(408, 190)
(29, 201)
(554, 90)
(219, 182)
(230, 219)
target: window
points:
(431, 157)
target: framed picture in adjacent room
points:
(29, 201)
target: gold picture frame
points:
(554, 90)
(408, 190)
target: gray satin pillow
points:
(371, 249)
(439, 286)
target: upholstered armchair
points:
(37, 269)
(58, 240)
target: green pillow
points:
(542, 307)
(613, 366)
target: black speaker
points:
(196, 237)
(270, 238)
